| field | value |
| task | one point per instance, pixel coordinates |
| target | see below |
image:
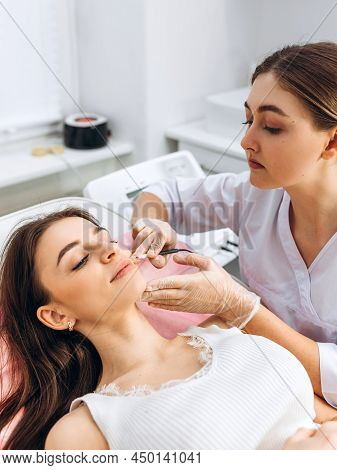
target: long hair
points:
(46, 369)
(310, 73)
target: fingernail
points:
(159, 260)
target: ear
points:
(53, 318)
(331, 149)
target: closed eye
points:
(85, 258)
(81, 263)
(271, 130)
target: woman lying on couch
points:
(88, 371)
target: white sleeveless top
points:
(250, 394)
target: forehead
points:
(267, 90)
(59, 234)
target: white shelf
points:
(18, 165)
(196, 133)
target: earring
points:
(70, 326)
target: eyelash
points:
(81, 263)
(85, 258)
(271, 130)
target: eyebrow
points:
(268, 107)
(71, 245)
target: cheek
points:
(82, 293)
(277, 157)
(100, 297)
(127, 290)
(290, 158)
(77, 296)
(89, 294)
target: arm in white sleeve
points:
(203, 204)
(328, 371)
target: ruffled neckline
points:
(205, 357)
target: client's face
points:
(86, 272)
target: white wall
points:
(111, 63)
(194, 48)
(148, 64)
(293, 21)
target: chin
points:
(260, 181)
(132, 287)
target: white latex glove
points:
(150, 237)
(212, 290)
(324, 438)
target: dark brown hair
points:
(310, 73)
(47, 369)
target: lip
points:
(122, 269)
(254, 164)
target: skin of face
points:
(85, 295)
(289, 147)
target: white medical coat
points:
(270, 263)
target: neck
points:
(126, 344)
(313, 203)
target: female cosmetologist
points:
(284, 210)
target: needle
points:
(166, 252)
(174, 250)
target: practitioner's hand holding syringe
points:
(151, 236)
(150, 229)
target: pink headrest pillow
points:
(166, 322)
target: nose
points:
(109, 251)
(249, 142)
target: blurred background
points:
(165, 74)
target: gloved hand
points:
(212, 290)
(150, 237)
